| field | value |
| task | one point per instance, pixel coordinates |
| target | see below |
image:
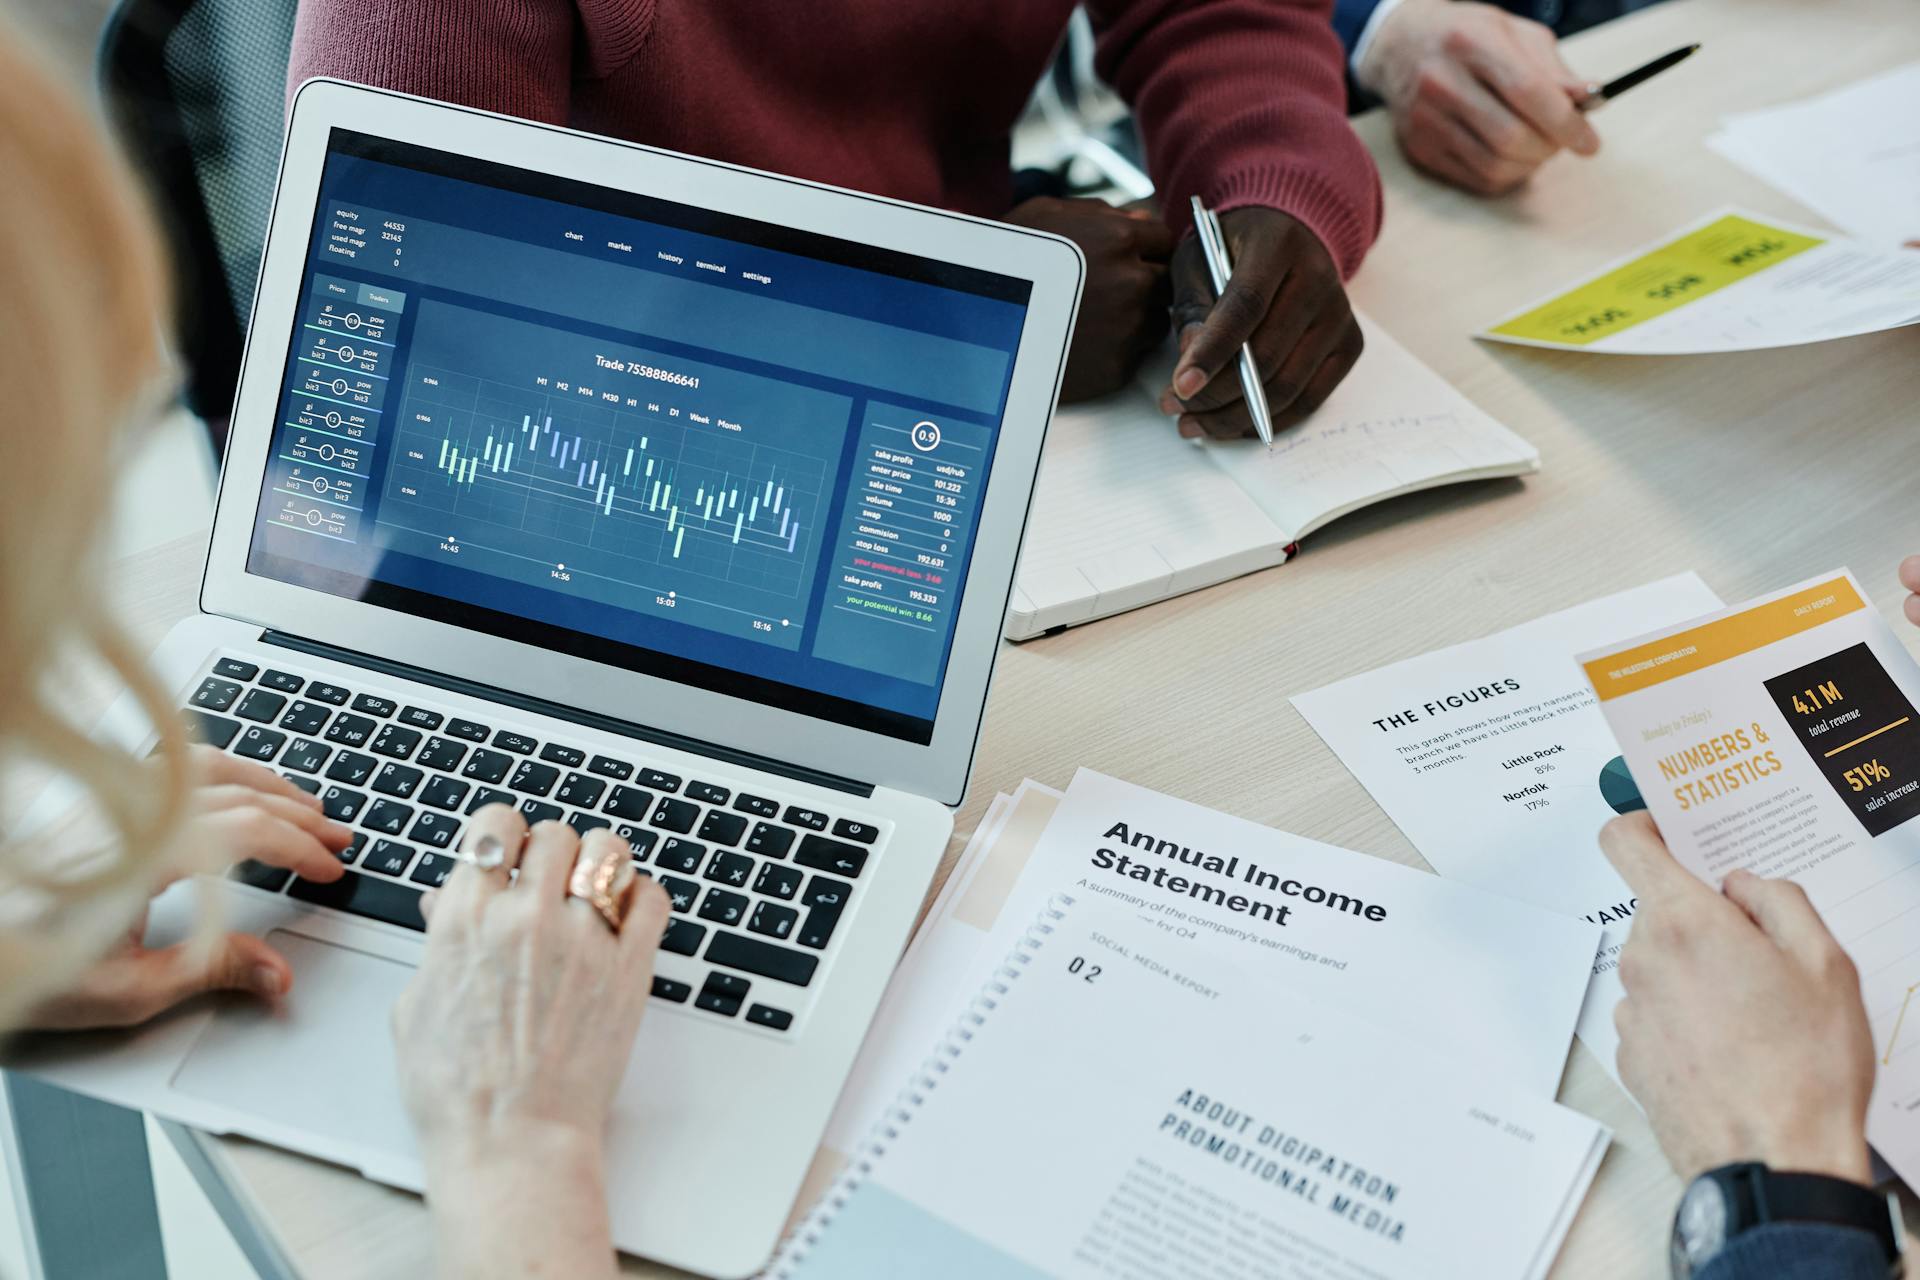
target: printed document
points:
(1494, 761)
(1121, 1105)
(1782, 736)
(1733, 281)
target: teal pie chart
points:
(1617, 787)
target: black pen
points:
(1599, 95)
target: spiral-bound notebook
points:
(1113, 1105)
(1127, 513)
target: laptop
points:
(634, 490)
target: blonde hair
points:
(83, 301)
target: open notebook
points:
(1127, 513)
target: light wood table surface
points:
(1756, 470)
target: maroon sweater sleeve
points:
(516, 57)
(1243, 102)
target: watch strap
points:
(1763, 1195)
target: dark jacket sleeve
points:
(1350, 19)
(1799, 1251)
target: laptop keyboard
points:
(759, 888)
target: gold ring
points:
(600, 886)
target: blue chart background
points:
(460, 319)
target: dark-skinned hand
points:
(1123, 309)
(1286, 297)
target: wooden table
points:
(1756, 470)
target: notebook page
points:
(1126, 513)
(1393, 427)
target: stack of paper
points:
(1386, 973)
(1852, 155)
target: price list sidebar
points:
(336, 397)
(905, 537)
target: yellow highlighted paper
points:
(1683, 270)
(1676, 655)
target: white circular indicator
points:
(926, 436)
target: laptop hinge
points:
(560, 711)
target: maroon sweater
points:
(1240, 101)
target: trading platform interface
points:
(712, 449)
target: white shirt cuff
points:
(1365, 42)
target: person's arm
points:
(510, 56)
(1243, 103)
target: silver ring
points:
(489, 853)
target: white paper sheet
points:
(1494, 761)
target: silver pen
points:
(1213, 246)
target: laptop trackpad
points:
(322, 1062)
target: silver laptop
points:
(634, 490)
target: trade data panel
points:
(706, 448)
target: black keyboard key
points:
(585, 822)
(354, 846)
(215, 694)
(234, 669)
(819, 926)
(682, 855)
(487, 766)
(722, 907)
(722, 828)
(215, 731)
(375, 705)
(675, 815)
(471, 730)
(309, 785)
(773, 920)
(668, 989)
(811, 819)
(822, 892)
(261, 706)
(305, 717)
(659, 781)
(350, 730)
(421, 718)
(680, 893)
(433, 870)
(398, 780)
(394, 741)
(765, 1016)
(259, 744)
(733, 869)
(445, 793)
(608, 767)
(757, 806)
(778, 882)
(341, 804)
(331, 694)
(640, 839)
(571, 757)
(682, 937)
(770, 841)
(707, 793)
(436, 830)
(864, 832)
(737, 951)
(581, 791)
(388, 817)
(443, 754)
(305, 756)
(353, 768)
(484, 796)
(630, 803)
(259, 875)
(365, 896)
(388, 857)
(284, 681)
(538, 811)
(534, 779)
(518, 743)
(722, 994)
(823, 854)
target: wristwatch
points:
(1722, 1203)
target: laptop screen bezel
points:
(939, 767)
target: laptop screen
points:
(715, 450)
